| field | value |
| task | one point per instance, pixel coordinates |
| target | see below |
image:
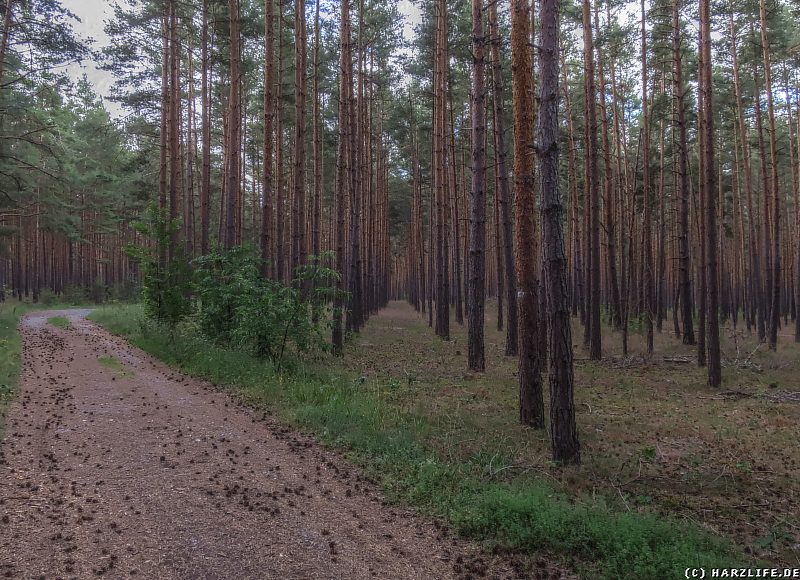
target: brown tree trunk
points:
(477, 207)
(299, 201)
(342, 170)
(205, 180)
(233, 176)
(318, 175)
(774, 318)
(592, 188)
(647, 257)
(173, 129)
(684, 263)
(505, 195)
(608, 198)
(440, 173)
(563, 430)
(530, 366)
(269, 139)
(708, 180)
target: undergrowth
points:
(59, 321)
(596, 540)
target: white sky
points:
(94, 13)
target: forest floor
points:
(112, 463)
(674, 474)
(655, 438)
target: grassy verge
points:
(59, 321)
(529, 516)
(10, 353)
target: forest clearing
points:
(399, 289)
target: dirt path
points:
(114, 464)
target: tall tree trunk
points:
(233, 176)
(592, 188)
(163, 177)
(173, 128)
(477, 206)
(440, 173)
(299, 199)
(530, 366)
(708, 180)
(647, 257)
(505, 195)
(318, 175)
(608, 196)
(563, 430)
(269, 138)
(684, 263)
(343, 161)
(205, 180)
(774, 318)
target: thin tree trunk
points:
(505, 195)
(708, 177)
(684, 263)
(477, 206)
(592, 187)
(233, 176)
(269, 139)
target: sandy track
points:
(137, 471)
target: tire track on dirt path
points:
(113, 464)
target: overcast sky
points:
(94, 13)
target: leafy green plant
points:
(59, 321)
(238, 306)
(166, 284)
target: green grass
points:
(59, 321)
(10, 353)
(596, 540)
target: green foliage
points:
(59, 321)
(527, 516)
(237, 305)
(10, 352)
(166, 284)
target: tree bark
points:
(477, 207)
(563, 430)
(505, 195)
(708, 177)
(530, 366)
(233, 177)
(592, 188)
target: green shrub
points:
(237, 305)
(166, 283)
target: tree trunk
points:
(299, 200)
(477, 206)
(563, 430)
(269, 138)
(592, 188)
(342, 170)
(708, 178)
(233, 176)
(684, 263)
(505, 196)
(205, 185)
(647, 257)
(530, 365)
(774, 318)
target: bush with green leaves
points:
(236, 305)
(166, 283)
